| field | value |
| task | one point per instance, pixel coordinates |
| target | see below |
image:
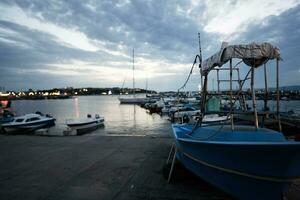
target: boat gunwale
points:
(99, 120)
(191, 139)
(45, 119)
(248, 143)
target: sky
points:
(89, 43)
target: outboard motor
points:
(39, 113)
(97, 116)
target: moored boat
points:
(246, 161)
(28, 123)
(81, 126)
(133, 100)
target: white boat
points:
(133, 100)
(81, 126)
(213, 118)
(28, 123)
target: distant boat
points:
(81, 126)
(133, 99)
(28, 123)
(246, 161)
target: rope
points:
(210, 136)
(264, 178)
(191, 71)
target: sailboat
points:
(246, 161)
(133, 99)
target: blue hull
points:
(246, 164)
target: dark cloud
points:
(283, 32)
(156, 29)
(132, 24)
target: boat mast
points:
(278, 95)
(230, 95)
(200, 59)
(133, 81)
(203, 87)
(122, 88)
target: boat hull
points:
(137, 100)
(246, 170)
(27, 128)
(82, 128)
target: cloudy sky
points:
(46, 44)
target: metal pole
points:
(200, 60)
(253, 98)
(133, 81)
(230, 93)
(218, 80)
(173, 164)
(203, 98)
(241, 97)
(170, 153)
(265, 97)
(278, 95)
(266, 88)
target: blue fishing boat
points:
(246, 161)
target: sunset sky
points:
(47, 44)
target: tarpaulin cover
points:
(251, 54)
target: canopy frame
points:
(253, 55)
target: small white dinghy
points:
(81, 126)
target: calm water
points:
(119, 119)
(284, 105)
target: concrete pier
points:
(94, 167)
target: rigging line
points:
(191, 71)
(237, 64)
(123, 83)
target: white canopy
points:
(252, 54)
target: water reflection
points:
(119, 118)
(134, 116)
(76, 107)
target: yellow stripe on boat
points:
(265, 178)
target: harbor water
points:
(119, 118)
